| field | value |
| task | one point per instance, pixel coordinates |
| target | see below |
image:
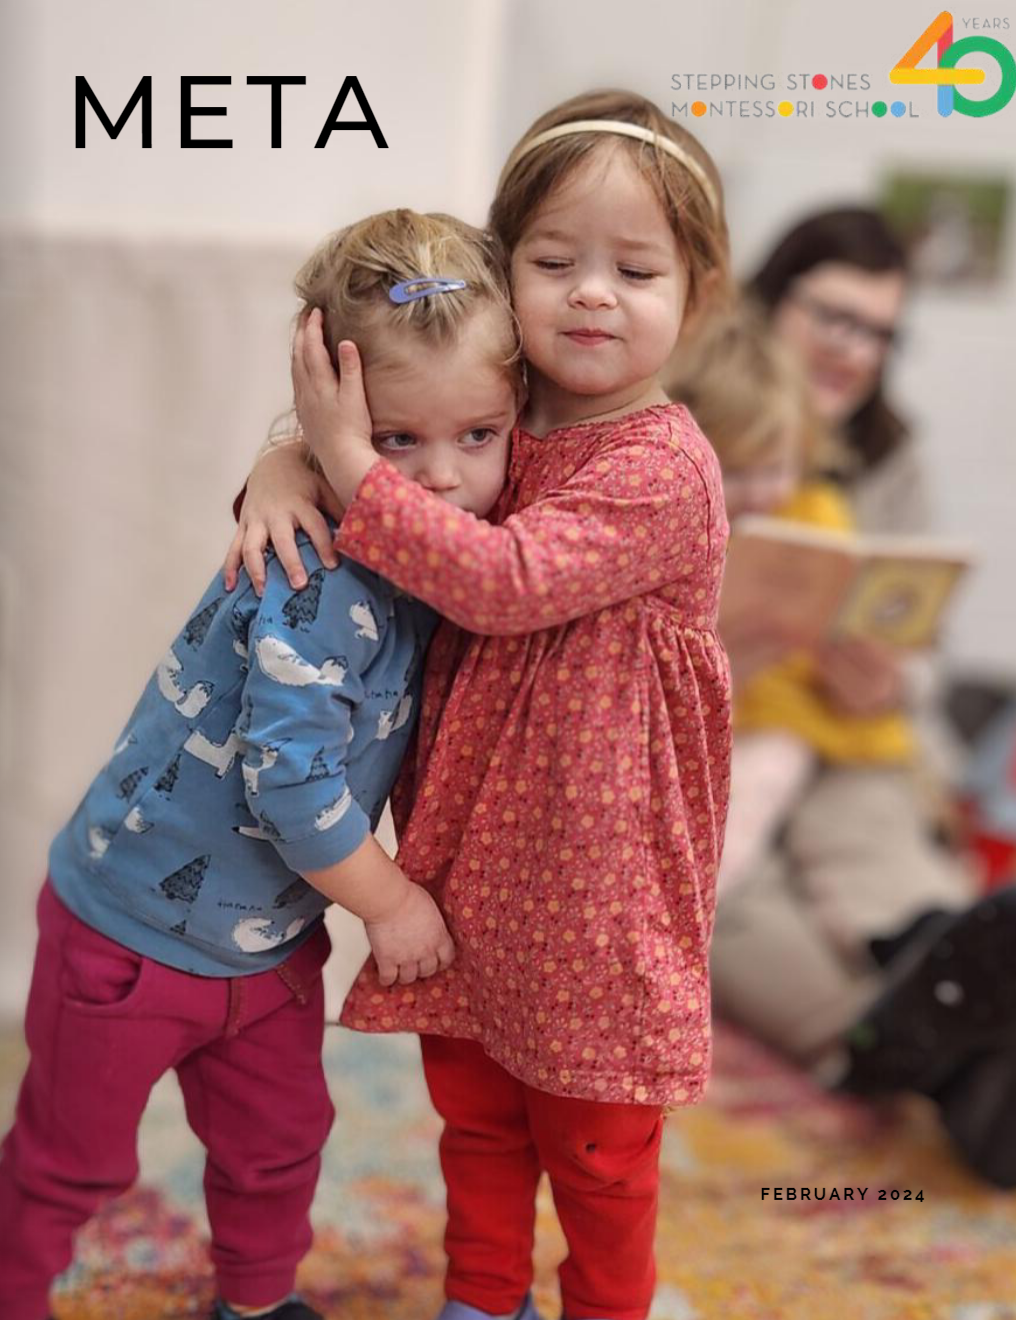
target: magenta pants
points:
(103, 1024)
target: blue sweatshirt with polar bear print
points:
(264, 745)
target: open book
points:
(811, 583)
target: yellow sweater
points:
(786, 696)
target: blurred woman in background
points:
(851, 942)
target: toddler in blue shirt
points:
(182, 924)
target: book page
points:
(898, 601)
(794, 587)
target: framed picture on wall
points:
(953, 224)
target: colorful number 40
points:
(948, 78)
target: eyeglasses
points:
(842, 328)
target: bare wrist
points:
(345, 475)
(367, 882)
(383, 905)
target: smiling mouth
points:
(588, 336)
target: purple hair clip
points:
(421, 286)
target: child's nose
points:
(593, 290)
(439, 476)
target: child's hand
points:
(283, 494)
(412, 940)
(332, 409)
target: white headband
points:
(625, 130)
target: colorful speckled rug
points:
(728, 1249)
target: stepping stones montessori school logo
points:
(948, 78)
(991, 61)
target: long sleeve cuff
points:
(331, 843)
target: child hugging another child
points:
(181, 926)
(566, 803)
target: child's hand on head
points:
(332, 410)
(283, 495)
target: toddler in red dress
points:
(567, 800)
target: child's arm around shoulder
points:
(623, 524)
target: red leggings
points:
(603, 1165)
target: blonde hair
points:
(694, 211)
(748, 395)
(350, 275)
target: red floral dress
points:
(568, 796)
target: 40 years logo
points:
(948, 78)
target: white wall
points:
(145, 294)
(428, 71)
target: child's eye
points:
(479, 435)
(551, 263)
(395, 443)
(631, 273)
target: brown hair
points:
(349, 277)
(854, 236)
(695, 217)
(748, 394)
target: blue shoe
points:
(461, 1311)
